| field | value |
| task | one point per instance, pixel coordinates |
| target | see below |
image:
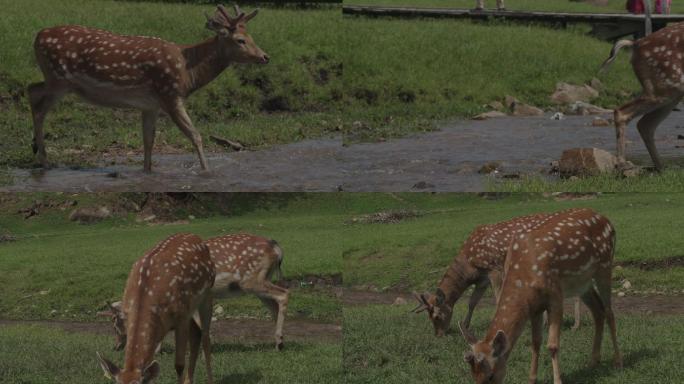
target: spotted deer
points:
(139, 72)
(570, 254)
(479, 263)
(499, 5)
(244, 264)
(658, 64)
(163, 291)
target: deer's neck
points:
(141, 342)
(457, 279)
(204, 63)
(512, 313)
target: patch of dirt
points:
(222, 331)
(312, 281)
(386, 217)
(669, 262)
(653, 304)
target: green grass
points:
(305, 74)
(415, 253)
(78, 268)
(412, 71)
(384, 344)
(39, 355)
(531, 5)
(670, 180)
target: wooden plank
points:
(546, 17)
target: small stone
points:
(489, 115)
(621, 294)
(489, 168)
(626, 285)
(496, 105)
(601, 122)
(191, 217)
(399, 301)
(596, 84)
(218, 310)
(520, 109)
(568, 93)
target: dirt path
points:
(445, 160)
(658, 305)
(231, 330)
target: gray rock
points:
(586, 161)
(568, 93)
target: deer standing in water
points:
(479, 263)
(658, 63)
(244, 263)
(163, 291)
(571, 254)
(139, 72)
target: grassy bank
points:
(34, 354)
(57, 269)
(413, 254)
(297, 95)
(384, 344)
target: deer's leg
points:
(479, 4)
(279, 295)
(555, 316)
(629, 111)
(195, 336)
(603, 281)
(593, 302)
(536, 323)
(179, 115)
(42, 97)
(181, 334)
(478, 292)
(496, 280)
(205, 311)
(647, 126)
(149, 119)
(500, 5)
(577, 315)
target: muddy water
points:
(444, 160)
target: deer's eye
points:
(241, 41)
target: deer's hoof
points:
(280, 346)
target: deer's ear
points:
(111, 371)
(441, 297)
(467, 335)
(499, 344)
(151, 372)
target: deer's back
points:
(95, 57)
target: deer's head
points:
(234, 41)
(115, 313)
(487, 360)
(438, 310)
(135, 376)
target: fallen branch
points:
(234, 145)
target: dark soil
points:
(222, 331)
(669, 262)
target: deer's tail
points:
(614, 52)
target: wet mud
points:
(445, 160)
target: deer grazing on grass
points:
(244, 263)
(570, 254)
(479, 263)
(163, 291)
(139, 72)
(658, 63)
